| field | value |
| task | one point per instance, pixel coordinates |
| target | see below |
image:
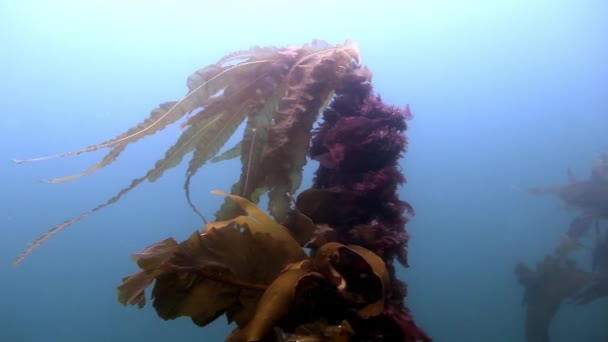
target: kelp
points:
(250, 270)
(557, 277)
(350, 282)
(554, 280)
(588, 196)
(279, 91)
(317, 268)
(598, 287)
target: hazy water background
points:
(505, 94)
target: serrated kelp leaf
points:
(159, 118)
(186, 143)
(230, 153)
(154, 123)
(208, 143)
(299, 78)
(251, 147)
(56, 229)
(312, 83)
(255, 141)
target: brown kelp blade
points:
(188, 141)
(226, 95)
(47, 235)
(159, 118)
(172, 158)
(41, 239)
(222, 270)
(259, 222)
(205, 87)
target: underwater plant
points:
(358, 145)
(588, 196)
(554, 280)
(279, 91)
(558, 277)
(599, 283)
(319, 267)
(269, 282)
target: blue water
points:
(505, 94)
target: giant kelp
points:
(554, 280)
(588, 196)
(557, 277)
(252, 267)
(268, 283)
(599, 283)
(279, 91)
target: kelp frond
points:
(279, 90)
(252, 270)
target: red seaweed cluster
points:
(359, 144)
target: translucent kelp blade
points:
(41, 239)
(159, 118)
(258, 222)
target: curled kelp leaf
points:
(337, 280)
(223, 270)
(360, 275)
(380, 272)
(319, 204)
(259, 222)
(151, 261)
(277, 302)
(250, 269)
(301, 227)
(154, 255)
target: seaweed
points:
(554, 280)
(598, 287)
(359, 145)
(557, 277)
(252, 271)
(318, 267)
(279, 91)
